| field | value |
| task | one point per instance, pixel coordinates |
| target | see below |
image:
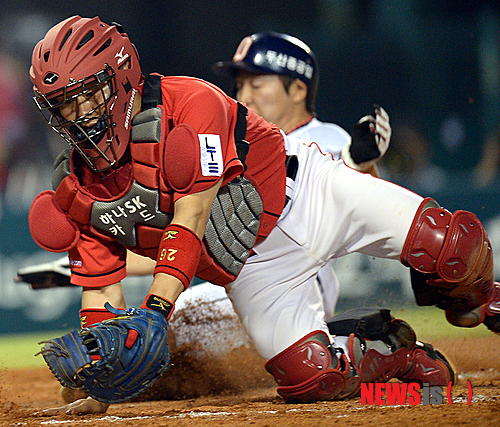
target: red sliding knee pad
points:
(454, 252)
(310, 370)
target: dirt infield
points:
(232, 388)
(242, 394)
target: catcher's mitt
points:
(114, 360)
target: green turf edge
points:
(18, 351)
(430, 324)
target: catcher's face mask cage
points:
(92, 132)
(83, 63)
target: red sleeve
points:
(95, 262)
(212, 116)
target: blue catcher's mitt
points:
(114, 360)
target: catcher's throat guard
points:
(116, 359)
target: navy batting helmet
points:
(274, 53)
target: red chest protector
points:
(134, 218)
(137, 217)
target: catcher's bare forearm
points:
(167, 287)
(98, 297)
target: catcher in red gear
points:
(173, 169)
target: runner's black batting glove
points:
(370, 139)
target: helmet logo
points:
(129, 108)
(121, 57)
(283, 61)
(50, 78)
(242, 50)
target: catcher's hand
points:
(47, 275)
(114, 360)
(78, 407)
(370, 139)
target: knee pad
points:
(453, 253)
(311, 370)
(455, 246)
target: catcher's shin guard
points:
(312, 370)
(428, 365)
(492, 316)
(399, 355)
(381, 348)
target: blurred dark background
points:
(434, 65)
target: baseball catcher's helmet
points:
(274, 53)
(86, 57)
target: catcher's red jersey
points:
(200, 123)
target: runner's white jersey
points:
(329, 136)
